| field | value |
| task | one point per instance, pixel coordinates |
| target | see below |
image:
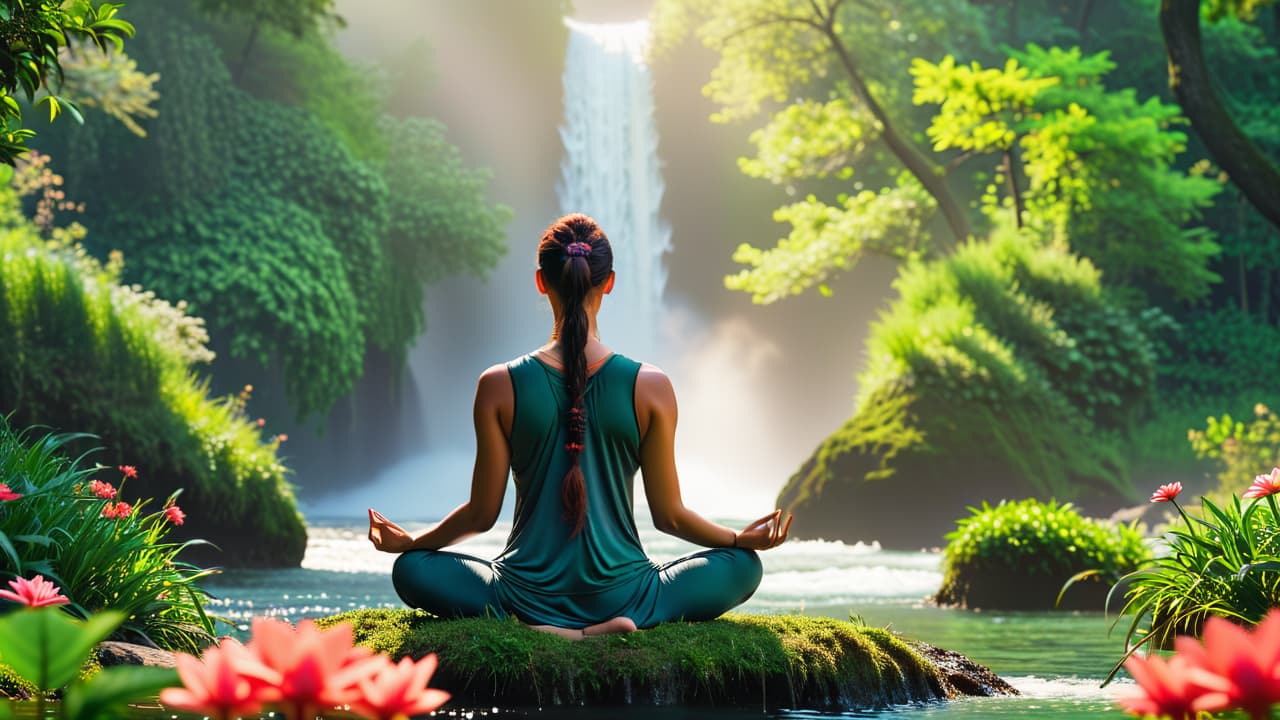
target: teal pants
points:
(700, 586)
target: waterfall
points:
(610, 171)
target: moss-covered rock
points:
(1002, 371)
(739, 660)
(1018, 556)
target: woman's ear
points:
(608, 284)
(537, 279)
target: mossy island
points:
(748, 661)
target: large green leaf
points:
(47, 647)
(106, 694)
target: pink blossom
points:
(317, 668)
(36, 592)
(1165, 688)
(1165, 493)
(400, 690)
(227, 681)
(1264, 485)
(129, 471)
(1243, 666)
(118, 511)
(6, 494)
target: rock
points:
(114, 652)
(749, 661)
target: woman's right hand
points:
(767, 532)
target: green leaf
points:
(114, 688)
(47, 647)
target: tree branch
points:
(1193, 86)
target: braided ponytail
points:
(574, 256)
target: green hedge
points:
(80, 352)
(1020, 554)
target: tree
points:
(296, 17)
(1084, 165)
(32, 36)
(1256, 175)
(831, 54)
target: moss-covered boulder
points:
(1002, 371)
(1019, 556)
(739, 660)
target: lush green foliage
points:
(1093, 160)
(313, 242)
(1029, 538)
(34, 33)
(1226, 562)
(788, 660)
(57, 529)
(49, 651)
(80, 350)
(1220, 353)
(1239, 448)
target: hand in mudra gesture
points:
(386, 535)
(767, 532)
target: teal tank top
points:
(546, 575)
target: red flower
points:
(1241, 665)
(102, 489)
(6, 494)
(400, 690)
(118, 511)
(1166, 688)
(174, 514)
(282, 438)
(1165, 493)
(261, 422)
(36, 592)
(129, 471)
(1264, 485)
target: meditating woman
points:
(573, 421)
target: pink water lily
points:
(1264, 485)
(227, 681)
(399, 690)
(1243, 666)
(318, 669)
(36, 592)
(1166, 689)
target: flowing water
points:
(1056, 659)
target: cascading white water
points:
(610, 170)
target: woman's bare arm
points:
(656, 412)
(494, 407)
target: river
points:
(1056, 659)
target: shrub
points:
(79, 351)
(1019, 555)
(1238, 448)
(61, 529)
(1225, 563)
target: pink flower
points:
(36, 592)
(282, 438)
(1264, 485)
(1242, 666)
(227, 681)
(1165, 493)
(1165, 688)
(102, 489)
(400, 690)
(6, 494)
(261, 422)
(129, 471)
(317, 668)
(174, 515)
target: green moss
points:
(1019, 555)
(742, 660)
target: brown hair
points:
(574, 256)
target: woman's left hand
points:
(386, 535)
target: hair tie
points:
(578, 249)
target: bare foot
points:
(608, 627)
